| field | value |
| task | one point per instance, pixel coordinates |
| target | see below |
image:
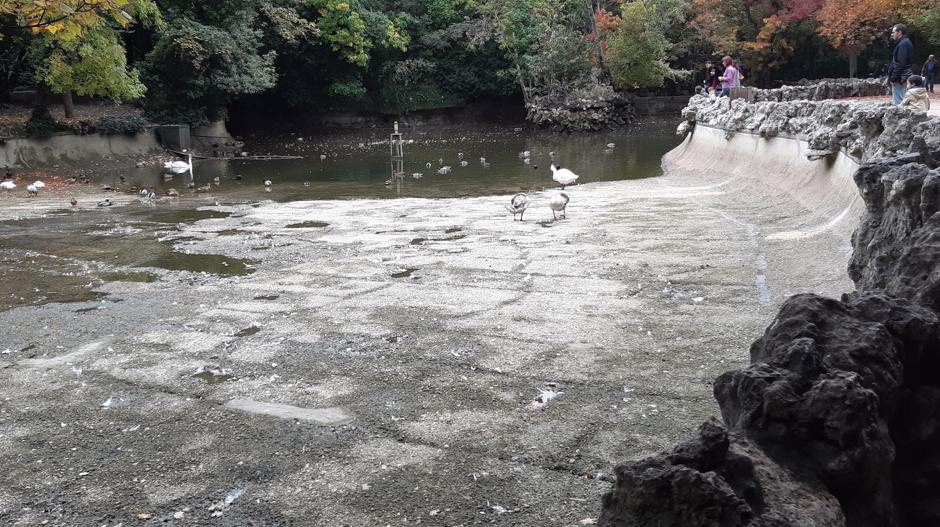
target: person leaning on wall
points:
(900, 68)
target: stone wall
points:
(824, 89)
(836, 422)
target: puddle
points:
(267, 297)
(404, 273)
(129, 276)
(183, 216)
(200, 263)
(247, 332)
(215, 376)
(308, 225)
(418, 241)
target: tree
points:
(638, 48)
(195, 70)
(84, 54)
(851, 25)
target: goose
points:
(178, 167)
(31, 190)
(559, 203)
(39, 184)
(518, 205)
(7, 185)
(563, 176)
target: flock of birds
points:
(32, 189)
(558, 202)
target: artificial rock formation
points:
(836, 422)
(596, 107)
(824, 89)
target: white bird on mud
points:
(31, 190)
(7, 185)
(39, 184)
(563, 176)
(178, 167)
(559, 203)
(518, 205)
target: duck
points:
(178, 167)
(464, 163)
(267, 182)
(417, 175)
(105, 203)
(444, 170)
(73, 202)
(559, 203)
(563, 176)
(517, 205)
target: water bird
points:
(459, 155)
(559, 203)
(31, 191)
(444, 170)
(6, 184)
(482, 160)
(178, 167)
(464, 163)
(105, 203)
(417, 175)
(173, 193)
(73, 202)
(216, 179)
(306, 183)
(70, 180)
(267, 182)
(525, 154)
(39, 184)
(518, 205)
(143, 191)
(427, 165)
(322, 157)
(611, 145)
(563, 176)
(388, 182)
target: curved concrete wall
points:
(24, 152)
(762, 167)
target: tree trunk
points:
(853, 64)
(601, 62)
(67, 104)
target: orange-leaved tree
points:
(851, 25)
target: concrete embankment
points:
(397, 361)
(70, 148)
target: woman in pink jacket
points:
(730, 78)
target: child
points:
(916, 96)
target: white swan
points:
(31, 190)
(559, 203)
(518, 205)
(178, 167)
(7, 185)
(563, 176)
(39, 184)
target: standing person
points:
(901, 57)
(729, 79)
(711, 78)
(741, 75)
(929, 72)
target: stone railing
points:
(862, 129)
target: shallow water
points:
(65, 255)
(358, 166)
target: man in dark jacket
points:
(901, 58)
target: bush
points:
(41, 123)
(129, 125)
